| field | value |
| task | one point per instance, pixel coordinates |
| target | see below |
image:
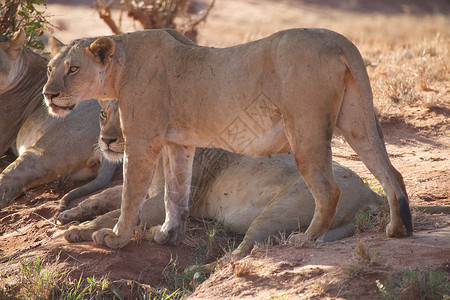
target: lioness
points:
(259, 197)
(46, 146)
(284, 92)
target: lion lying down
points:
(258, 197)
(45, 145)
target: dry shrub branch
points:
(154, 14)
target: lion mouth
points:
(57, 109)
(61, 109)
(69, 108)
(113, 155)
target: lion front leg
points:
(95, 205)
(84, 231)
(139, 166)
(178, 161)
(283, 213)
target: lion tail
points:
(353, 60)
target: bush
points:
(154, 14)
(15, 14)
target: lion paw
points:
(108, 238)
(63, 217)
(242, 250)
(300, 240)
(4, 203)
(399, 231)
(168, 233)
(77, 234)
(6, 196)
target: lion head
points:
(111, 140)
(76, 71)
(11, 65)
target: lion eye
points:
(103, 115)
(73, 70)
(49, 69)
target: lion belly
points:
(246, 136)
(241, 136)
(238, 98)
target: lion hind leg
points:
(340, 232)
(326, 195)
(280, 215)
(309, 132)
(312, 153)
(361, 130)
(313, 159)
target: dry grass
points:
(411, 284)
(415, 74)
(407, 55)
(365, 261)
(407, 58)
(371, 219)
(210, 239)
(242, 268)
(37, 279)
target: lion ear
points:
(103, 102)
(55, 45)
(16, 44)
(102, 49)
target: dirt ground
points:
(416, 137)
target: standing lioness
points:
(256, 196)
(285, 92)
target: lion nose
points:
(51, 96)
(108, 141)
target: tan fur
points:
(258, 197)
(47, 147)
(284, 92)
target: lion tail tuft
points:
(405, 214)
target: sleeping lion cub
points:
(258, 197)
